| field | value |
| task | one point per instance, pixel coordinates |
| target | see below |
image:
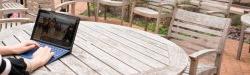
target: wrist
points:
(35, 64)
(28, 65)
(31, 65)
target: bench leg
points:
(146, 26)
(157, 25)
(105, 13)
(249, 48)
(88, 9)
(97, 11)
(242, 35)
(131, 16)
(123, 14)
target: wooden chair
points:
(157, 9)
(12, 7)
(219, 8)
(245, 31)
(116, 3)
(88, 5)
(202, 34)
(69, 3)
(62, 6)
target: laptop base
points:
(58, 52)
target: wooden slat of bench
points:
(210, 38)
(202, 19)
(119, 55)
(215, 5)
(198, 28)
(132, 47)
(201, 42)
(106, 58)
(191, 48)
(188, 47)
(125, 49)
(8, 25)
(93, 62)
(139, 42)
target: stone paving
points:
(231, 66)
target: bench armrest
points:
(202, 53)
(31, 14)
(65, 4)
(15, 20)
(187, 6)
(213, 12)
(195, 57)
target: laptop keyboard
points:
(56, 50)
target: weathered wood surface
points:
(205, 31)
(105, 49)
(157, 9)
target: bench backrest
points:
(222, 6)
(200, 29)
(11, 7)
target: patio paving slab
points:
(231, 66)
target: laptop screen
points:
(55, 28)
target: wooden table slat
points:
(137, 41)
(109, 60)
(149, 61)
(139, 50)
(173, 56)
(115, 52)
(93, 62)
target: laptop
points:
(55, 30)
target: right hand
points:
(41, 57)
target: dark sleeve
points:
(16, 66)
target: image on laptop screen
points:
(55, 29)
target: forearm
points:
(5, 50)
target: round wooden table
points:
(107, 49)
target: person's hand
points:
(23, 47)
(41, 57)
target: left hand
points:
(23, 46)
